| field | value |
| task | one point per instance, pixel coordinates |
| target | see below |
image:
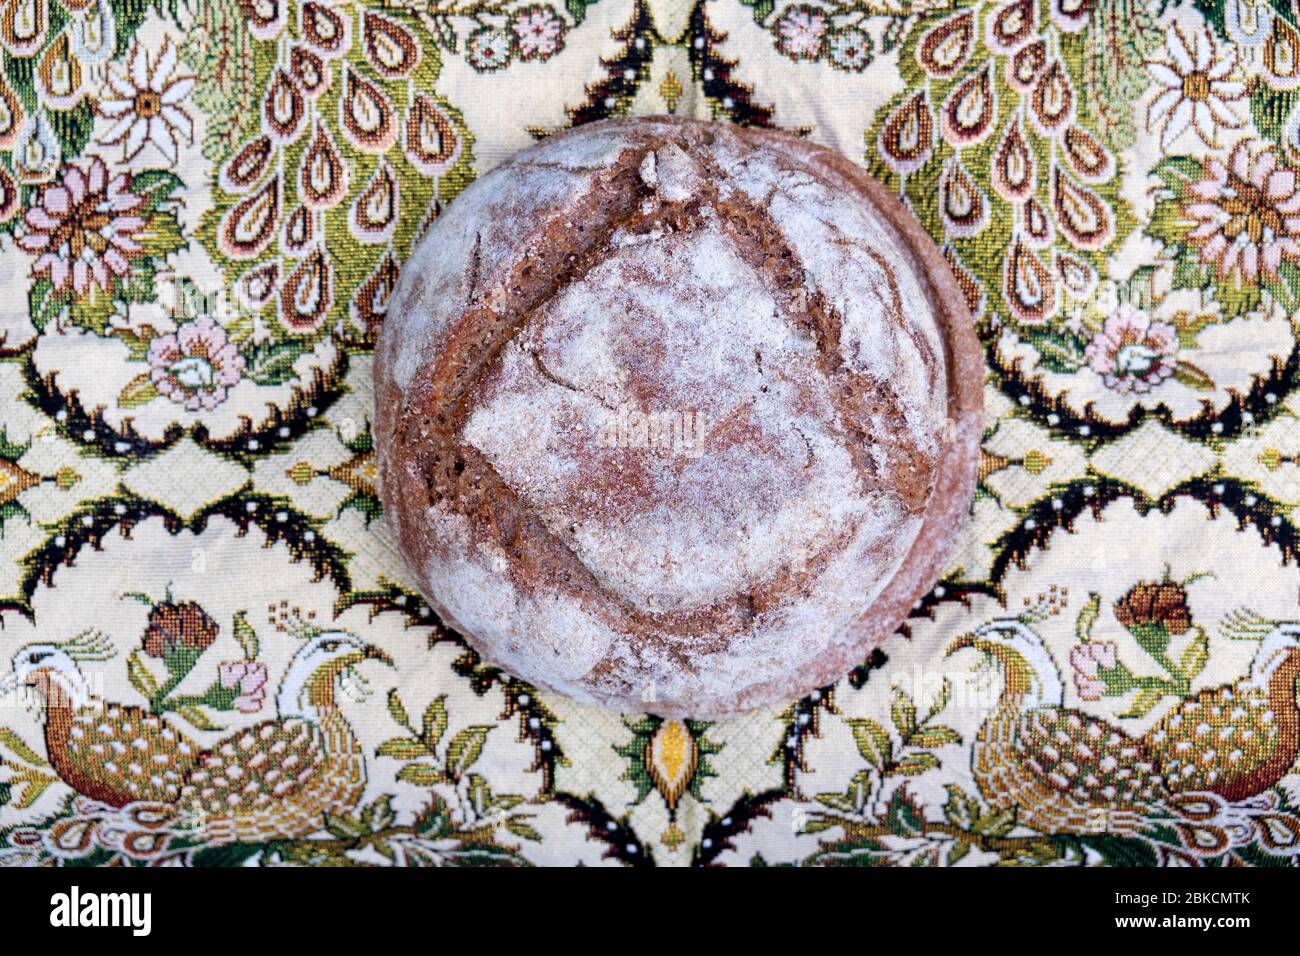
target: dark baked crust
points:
(501, 535)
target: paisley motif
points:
(969, 110)
(1282, 55)
(907, 137)
(1027, 285)
(322, 175)
(299, 232)
(93, 34)
(1088, 158)
(961, 203)
(306, 294)
(37, 153)
(1013, 165)
(11, 115)
(366, 113)
(257, 285)
(309, 70)
(374, 212)
(946, 46)
(1080, 213)
(430, 143)
(1024, 68)
(59, 75)
(1035, 224)
(1052, 100)
(23, 24)
(324, 29)
(390, 47)
(1072, 15)
(1011, 25)
(283, 108)
(250, 224)
(370, 303)
(1279, 832)
(247, 165)
(1077, 275)
(265, 18)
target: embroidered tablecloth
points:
(211, 652)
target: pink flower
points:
(799, 32)
(195, 365)
(539, 32)
(1087, 660)
(249, 678)
(84, 229)
(1246, 213)
(1133, 353)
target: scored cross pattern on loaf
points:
(746, 283)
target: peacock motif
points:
(1060, 769)
(1240, 739)
(274, 780)
(1063, 770)
(114, 753)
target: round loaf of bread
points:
(676, 416)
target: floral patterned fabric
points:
(211, 653)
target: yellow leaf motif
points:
(139, 391)
(872, 740)
(16, 746)
(245, 635)
(671, 758)
(141, 677)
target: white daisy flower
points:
(1197, 88)
(146, 104)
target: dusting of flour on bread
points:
(667, 407)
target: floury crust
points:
(760, 288)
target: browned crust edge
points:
(954, 485)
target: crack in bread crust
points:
(427, 463)
(536, 554)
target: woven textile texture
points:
(210, 652)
